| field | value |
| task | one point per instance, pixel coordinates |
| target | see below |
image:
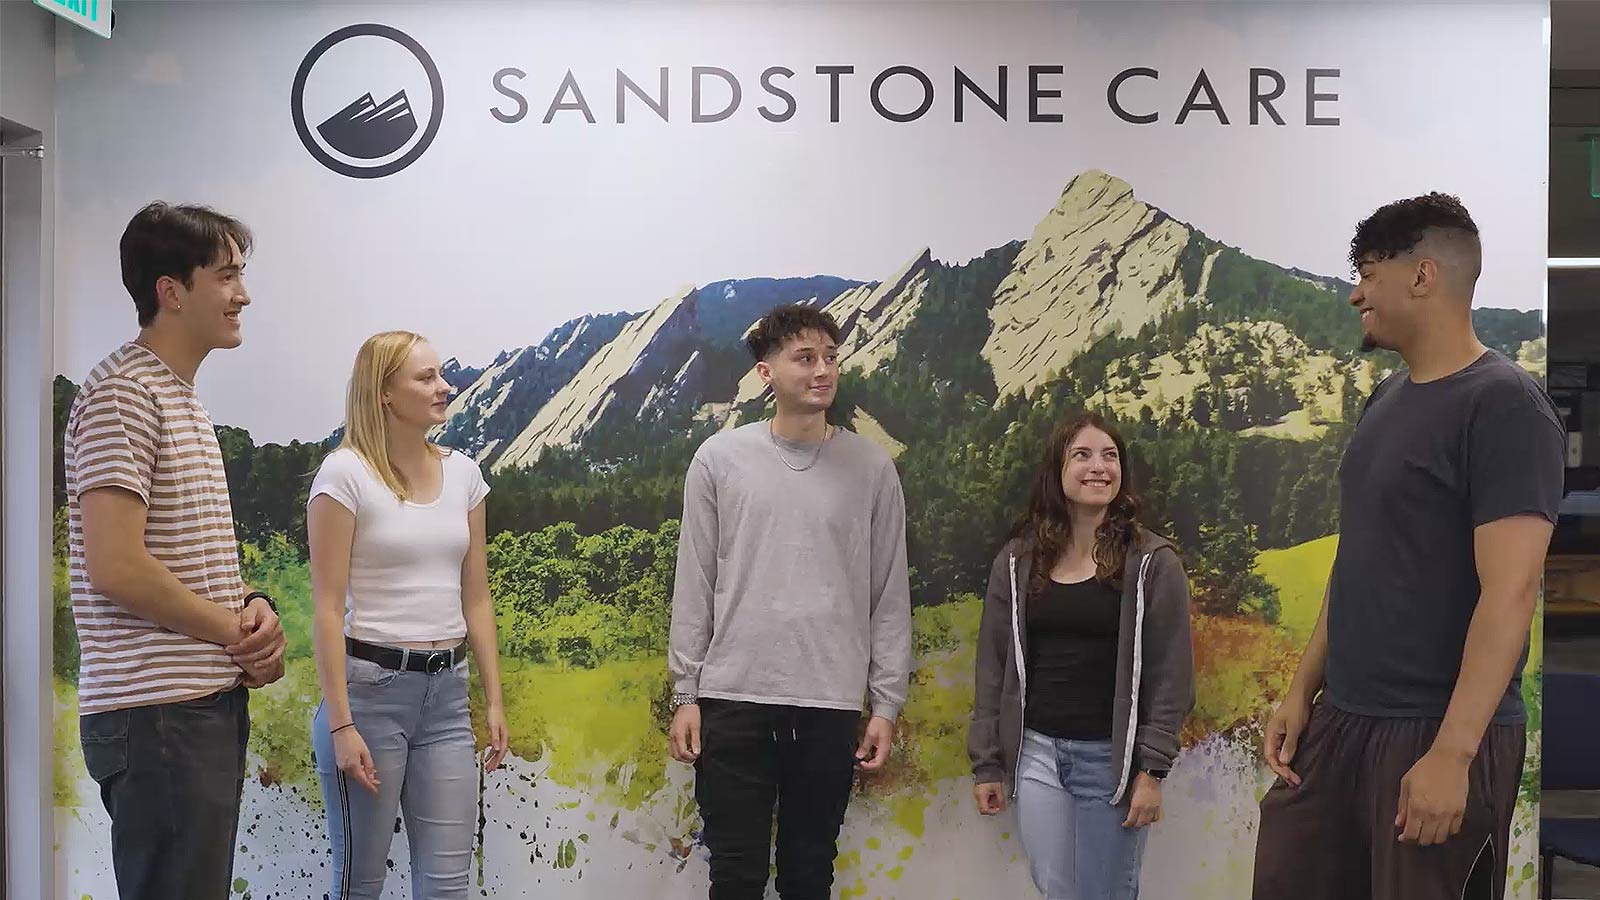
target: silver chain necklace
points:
(827, 429)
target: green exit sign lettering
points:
(94, 15)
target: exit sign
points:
(94, 15)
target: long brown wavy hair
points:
(1046, 526)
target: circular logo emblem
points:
(366, 86)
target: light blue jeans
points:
(419, 732)
(1077, 848)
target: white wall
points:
(27, 286)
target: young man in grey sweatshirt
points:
(790, 606)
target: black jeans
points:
(754, 756)
(170, 776)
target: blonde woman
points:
(399, 577)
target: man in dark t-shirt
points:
(1399, 744)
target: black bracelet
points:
(271, 603)
(342, 727)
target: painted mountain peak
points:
(684, 352)
(870, 317)
(1100, 262)
(493, 407)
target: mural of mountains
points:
(366, 130)
(1100, 262)
(1234, 379)
(1255, 347)
(493, 405)
(871, 318)
(459, 376)
(728, 308)
(1110, 303)
(1213, 362)
(684, 352)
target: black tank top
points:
(1072, 660)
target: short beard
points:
(1369, 344)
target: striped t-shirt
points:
(136, 425)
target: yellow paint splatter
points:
(905, 853)
(909, 813)
(895, 873)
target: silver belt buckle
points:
(438, 661)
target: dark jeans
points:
(170, 776)
(753, 756)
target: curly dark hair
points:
(1398, 227)
(784, 322)
(1047, 523)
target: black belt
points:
(431, 662)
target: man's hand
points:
(259, 650)
(1433, 798)
(874, 749)
(1283, 735)
(265, 676)
(1145, 806)
(685, 733)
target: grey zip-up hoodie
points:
(1155, 665)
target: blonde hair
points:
(366, 423)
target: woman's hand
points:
(355, 760)
(499, 738)
(991, 797)
(1145, 807)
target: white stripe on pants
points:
(419, 732)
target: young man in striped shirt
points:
(171, 638)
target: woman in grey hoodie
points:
(1085, 671)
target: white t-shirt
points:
(405, 560)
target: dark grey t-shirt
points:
(1429, 463)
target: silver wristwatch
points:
(683, 700)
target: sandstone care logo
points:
(367, 87)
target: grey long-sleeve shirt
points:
(791, 587)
